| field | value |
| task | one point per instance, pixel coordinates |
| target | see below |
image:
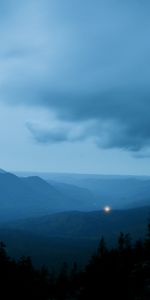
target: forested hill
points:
(119, 273)
(89, 225)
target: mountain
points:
(79, 195)
(33, 196)
(2, 171)
(116, 191)
(71, 236)
(88, 225)
(23, 197)
(119, 192)
(18, 199)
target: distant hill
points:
(83, 197)
(117, 191)
(120, 192)
(33, 196)
(18, 199)
(87, 225)
(23, 197)
(71, 236)
(2, 171)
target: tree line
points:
(120, 273)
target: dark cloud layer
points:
(57, 134)
(87, 61)
(120, 118)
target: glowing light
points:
(107, 209)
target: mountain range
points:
(22, 197)
(71, 236)
(41, 215)
(29, 196)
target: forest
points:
(122, 272)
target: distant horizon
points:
(79, 173)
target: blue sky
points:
(75, 86)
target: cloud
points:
(87, 61)
(56, 134)
(105, 134)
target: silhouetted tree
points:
(121, 273)
(102, 249)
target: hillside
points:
(33, 196)
(87, 225)
(118, 191)
(71, 236)
(49, 251)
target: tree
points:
(102, 249)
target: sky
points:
(75, 86)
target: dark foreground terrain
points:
(122, 272)
(75, 234)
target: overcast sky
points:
(75, 86)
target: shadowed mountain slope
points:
(33, 196)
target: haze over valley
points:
(66, 211)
